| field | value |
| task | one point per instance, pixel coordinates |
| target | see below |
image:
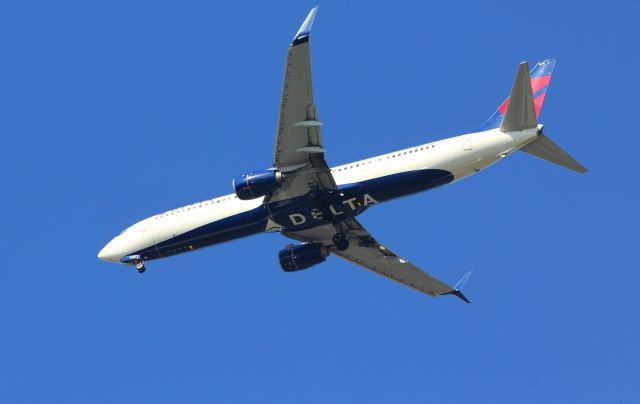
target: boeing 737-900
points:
(307, 201)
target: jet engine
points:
(257, 184)
(297, 257)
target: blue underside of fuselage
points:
(349, 201)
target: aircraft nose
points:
(102, 255)
(106, 254)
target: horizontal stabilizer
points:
(521, 112)
(546, 149)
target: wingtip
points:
(458, 294)
(456, 290)
(305, 29)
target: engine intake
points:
(257, 184)
(297, 257)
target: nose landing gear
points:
(140, 267)
(135, 260)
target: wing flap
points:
(298, 140)
(298, 125)
(377, 258)
(367, 253)
(296, 106)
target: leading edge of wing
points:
(305, 29)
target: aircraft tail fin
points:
(520, 113)
(540, 77)
(544, 148)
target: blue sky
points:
(114, 111)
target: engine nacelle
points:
(302, 256)
(257, 184)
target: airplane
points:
(304, 199)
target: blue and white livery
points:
(305, 200)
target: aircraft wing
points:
(298, 152)
(368, 253)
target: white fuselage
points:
(461, 156)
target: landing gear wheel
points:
(140, 267)
(340, 241)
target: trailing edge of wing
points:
(298, 148)
(367, 253)
(305, 29)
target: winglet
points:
(456, 290)
(459, 294)
(305, 29)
